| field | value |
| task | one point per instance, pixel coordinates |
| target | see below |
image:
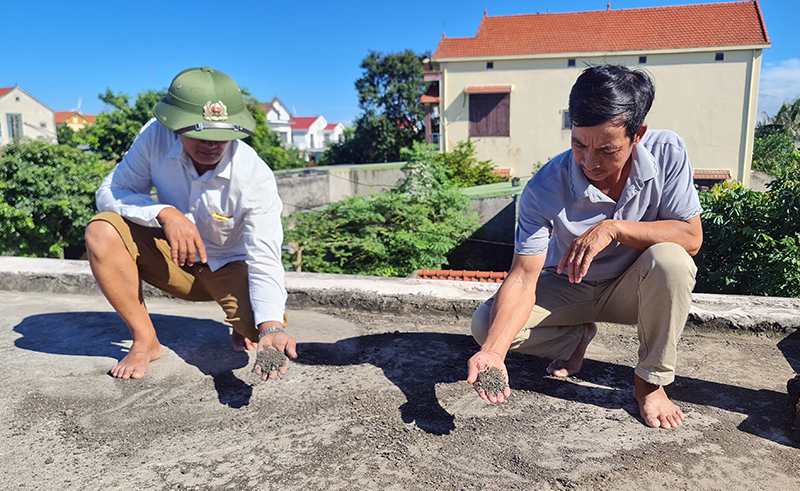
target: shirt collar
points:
(644, 169)
(579, 185)
(223, 168)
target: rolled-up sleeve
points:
(126, 190)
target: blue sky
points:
(306, 53)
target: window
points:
(719, 57)
(489, 65)
(642, 60)
(566, 124)
(42, 125)
(14, 122)
(571, 62)
(489, 114)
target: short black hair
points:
(606, 93)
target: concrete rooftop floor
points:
(377, 398)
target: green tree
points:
(751, 240)
(464, 169)
(46, 196)
(392, 118)
(388, 234)
(66, 135)
(113, 132)
(775, 153)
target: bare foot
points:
(565, 368)
(241, 343)
(654, 406)
(138, 359)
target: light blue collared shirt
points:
(559, 204)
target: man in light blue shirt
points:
(606, 232)
(213, 233)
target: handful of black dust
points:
(270, 360)
(492, 381)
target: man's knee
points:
(480, 322)
(672, 264)
(100, 235)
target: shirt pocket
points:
(217, 228)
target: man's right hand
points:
(183, 237)
(481, 361)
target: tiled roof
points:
(713, 174)
(448, 274)
(502, 172)
(488, 89)
(331, 126)
(656, 28)
(303, 123)
(62, 116)
(4, 90)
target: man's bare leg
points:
(241, 343)
(118, 279)
(654, 406)
(565, 368)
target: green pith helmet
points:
(205, 104)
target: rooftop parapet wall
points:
(406, 296)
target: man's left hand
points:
(583, 249)
(279, 341)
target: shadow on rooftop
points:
(202, 343)
(417, 362)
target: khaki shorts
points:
(228, 286)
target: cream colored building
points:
(74, 119)
(508, 87)
(21, 115)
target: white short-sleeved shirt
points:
(235, 206)
(559, 204)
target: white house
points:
(308, 135)
(23, 115)
(279, 119)
(507, 88)
(333, 133)
(311, 135)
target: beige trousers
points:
(655, 294)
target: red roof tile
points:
(4, 90)
(450, 275)
(656, 28)
(714, 174)
(303, 123)
(331, 126)
(62, 116)
(502, 171)
(488, 89)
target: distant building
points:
(507, 88)
(333, 133)
(22, 115)
(74, 119)
(279, 119)
(308, 135)
(311, 135)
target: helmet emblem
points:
(215, 111)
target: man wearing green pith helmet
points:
(212, 233)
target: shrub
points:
(46, 197)
(388, 234)
(751, 240)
